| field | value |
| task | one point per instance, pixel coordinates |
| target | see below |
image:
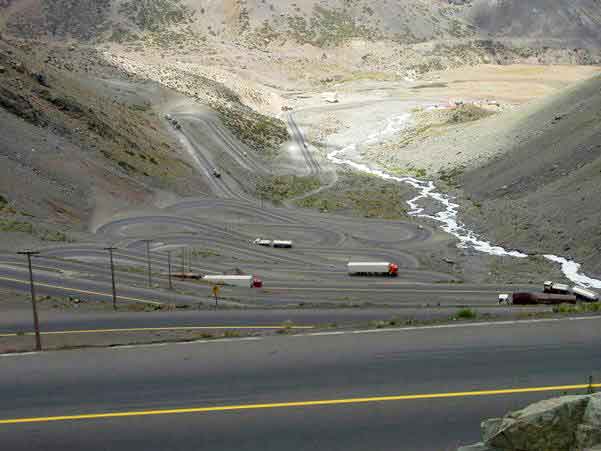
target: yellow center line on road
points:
(156, 329)
(328, 402)
(76, 290)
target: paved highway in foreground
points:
(149, 387)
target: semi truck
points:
(373, 269)
(247, 281)
(582, 294)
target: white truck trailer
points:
(583, 294)
(273, 243)
(246, 281)
(373, 269)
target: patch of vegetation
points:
(12, 225)
(410, 171)
(376, 76)
(62, 103)
(121, 35)
(5, 206)
(84, 19)
(143, 108)
(582, 307)
(451, 176)
(282, 187)
(466, 313)
(261, 133)
(467, 113)
(52, 235)
(328, 28)
(156, 15)
(361, 194)
(204, 253)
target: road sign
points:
(216, 290)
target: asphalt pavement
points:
(151, 386)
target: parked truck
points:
(542, 298)
(248, 281)
(373, 269)
(556, 288)
(582, 294)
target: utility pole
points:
(169, 266)
(183, 261)
(111, 249)
(149, 264)
(36, 322)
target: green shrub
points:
(467, 313)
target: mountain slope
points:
(576, 23)
(542, 191)
(321, 23)
(72, 143)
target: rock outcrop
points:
(569, 423)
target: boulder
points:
(545, 425)
(569, 423)
(588, 434)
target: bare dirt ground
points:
(428, 142)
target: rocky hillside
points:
(576, 23)
(542, 190)
(72, 144)
(319, 23)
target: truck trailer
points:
(373, 269)
(542, 298)
(582, 294)
(246, 281)
(286, 244)
(273, 243)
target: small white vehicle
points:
(504, 299)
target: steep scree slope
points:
(542, 192)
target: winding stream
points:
(448, 215)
